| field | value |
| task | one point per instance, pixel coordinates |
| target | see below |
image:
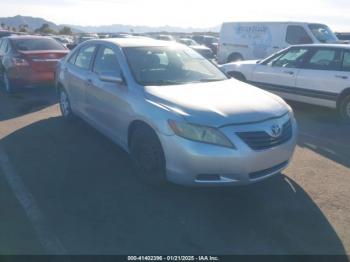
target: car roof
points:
(28, 37)
(135, 42)
(346, 46)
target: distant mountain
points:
(36, 22)
(32, 22)
(140, 29)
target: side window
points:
(106, 61)
(324, 59)
(73, 57)
(291, 59)
(346, 62)
(85, 56)
(297, 35)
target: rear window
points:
(36, 44)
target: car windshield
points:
(35, 44)
(323, 33)
(170, 66)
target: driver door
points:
(107, 102)
(280, 72)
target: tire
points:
(65, 106)
(235, 57)
(147, 156)
(8, 85)
(344, 109)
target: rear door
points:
(278, 74)
(322, 78)
(77, 73)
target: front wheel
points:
(65, 105)
(148, 156)
(344, 109)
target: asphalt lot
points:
(91, 202)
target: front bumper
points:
(198, 164)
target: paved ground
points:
(90, 202)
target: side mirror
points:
(111, 77)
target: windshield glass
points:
(36, 44)
(323, 33)
(170, 66)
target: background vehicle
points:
(314, 74)
(248, 40)
(165, 37)
(28, 60)
(201, 49)
(177, 114)
(63, 40)
(4, 33)
(207, 40)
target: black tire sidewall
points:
(342, 109)
(143, 137)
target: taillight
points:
(18, 61)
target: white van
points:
(257, 40)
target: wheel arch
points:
(138, 124)
(343, 94)
(233, 54)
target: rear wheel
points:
(344, 109)
(65, 106)
(148, 156)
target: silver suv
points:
(176, 113)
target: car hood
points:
(218, 103)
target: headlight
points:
(199, 133)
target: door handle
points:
(342, 77)
(88, 82)
(289, 72)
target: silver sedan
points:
(177, 114)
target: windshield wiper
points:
(163, 82)
(211, 79)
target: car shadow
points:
(26, 101)
(321, 131)
(86, 188)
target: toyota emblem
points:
(276, 130)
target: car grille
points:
(262, 140)
(266, 172)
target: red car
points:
(29, 60)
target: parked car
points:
(248, 40)
(28, 60)
(176, 113)
(209, 41)
(313, 74)
(4, 33)
(80, 39)
(165, 37)
(63, 40)
(343, 36)
(201, 49)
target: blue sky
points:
(187, 13)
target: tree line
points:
(43, 29)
